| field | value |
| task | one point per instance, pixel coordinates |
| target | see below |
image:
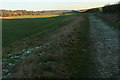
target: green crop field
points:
(63, 47)
(17, 29)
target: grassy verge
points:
(78, 53)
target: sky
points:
(53, 4)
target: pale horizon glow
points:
(53, 4)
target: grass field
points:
(54, 47)
(17, 29)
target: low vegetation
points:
(60, 52)
(17, 29)
(51, 46)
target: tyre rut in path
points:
(103, 48)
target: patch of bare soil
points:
(103, 49)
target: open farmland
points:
(17, 29)
(66, 46)
(53, 41)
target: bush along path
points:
(63, 54)
(103, 48)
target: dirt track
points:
(103, 48)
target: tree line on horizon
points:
(7, 13)
(107, 9)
